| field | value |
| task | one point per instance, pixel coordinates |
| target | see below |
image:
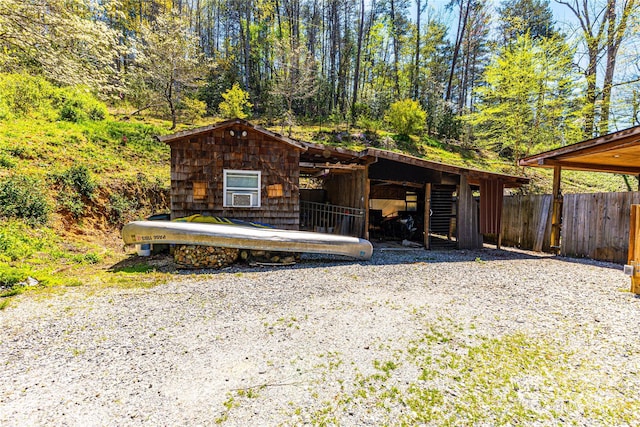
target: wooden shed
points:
(235, 169)
(451, 206)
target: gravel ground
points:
(294, 345)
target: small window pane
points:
(242, 181)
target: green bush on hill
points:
(77, 105)
(75, 187)
(406, 117)
(23, 197)
(23, 95)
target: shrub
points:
(192, 109)
(22, 95)
(119, 206)
(6, 162)
(77, 104)
(236, 103)
(10, 276)
(23, 197)
(406, 117)
(79, 179)
(75, 185)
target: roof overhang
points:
(335, 159)
(474, 176)
(233, 123)
(617, 152)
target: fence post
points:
(556, 215)
(634, 248)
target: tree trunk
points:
(615, 34)
(396, 48)
(356, 72)
(462, 25)
(416, 64)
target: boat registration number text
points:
(150, 238)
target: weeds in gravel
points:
(468, 379)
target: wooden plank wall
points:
(521, 221)
(349, 190)
(203, 158)
(596, 225)
(468, 221)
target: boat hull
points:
(240, 237)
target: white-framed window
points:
(241, 188)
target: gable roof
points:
(324, 153)
(168, 139)
(617, 152)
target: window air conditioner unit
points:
(243, 200)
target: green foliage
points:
(528, 99)
(119, 206)
(236, 103)
(170, 62)
(24, 95)
(19, 241)
(6, 162)
(10, 276)
(406, 117)
(75, 187)
(79, 179)
(23, 197)
(192, 109)
(77, 105)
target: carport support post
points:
(556, 213)
(427, 214)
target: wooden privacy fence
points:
(526, 222)
(595, 226)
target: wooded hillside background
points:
(502, 76)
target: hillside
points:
(90, 177)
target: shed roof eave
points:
(624, 138)
(168, 139)
(474, 174)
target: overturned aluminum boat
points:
(240, 237)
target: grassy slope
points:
(126, 161)
(123, 158)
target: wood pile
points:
(193, 256)
(204, 256)
(269, 257)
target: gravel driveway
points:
(464, 337)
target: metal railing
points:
(325, 218)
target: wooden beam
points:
(556, 215)
(328, 165)
(588, 166)
(467, 217)
(400, 183)
(427, 214)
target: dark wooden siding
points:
(347, 189)
(204, 157)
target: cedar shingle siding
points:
(201, 158)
